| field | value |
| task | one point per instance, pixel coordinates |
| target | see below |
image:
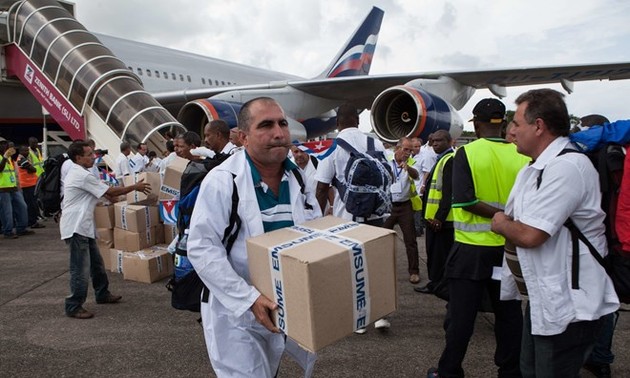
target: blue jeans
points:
(12, 206)
(559, 355)
(602, 351)
(85, 261)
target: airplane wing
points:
(362, 90)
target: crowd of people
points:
(492, 212)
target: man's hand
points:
(499, 221)
(142, 186)
(435, 225)
(262, 310)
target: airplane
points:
(195, 89)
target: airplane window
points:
(148, 72)
(139, 71)
(229, 83)
(222, 82)
(181, 77)
(203, 80)
(216, 82)
(188, 77)
(130, 68)
(157, 74)
(165, 75)
(174, 77)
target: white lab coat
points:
(237, 344)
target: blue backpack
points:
(368, 177)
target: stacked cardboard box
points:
(172, 178)
(104, 220)
(139, 198)
(329, 277)
(137, 227)
(170, 233)
(147, 265)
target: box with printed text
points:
(139, 198)
(172, 179)
(328, 276)
(147, 265)
(135, 218)
(135, 241)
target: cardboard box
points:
(116, 259)
(106, 256)
(172, 178)
(104, 216)
(148, 265)
(139, 198)
(135, 218)
(105, 237)
(170, 233)
(134, 241)
(326, 283)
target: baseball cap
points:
(489, 110)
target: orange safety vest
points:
(26, 178)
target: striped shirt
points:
(275, 210)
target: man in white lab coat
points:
(241, 338)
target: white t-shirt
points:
(81, 193)
(428, 158)
(65, 168)
(335, 164)
(122, 166)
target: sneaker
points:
(110, 298)
(81, 314)
(26, 232)
(598, 370)
(10, 236)
(414, 279)
(360, 331)
(433, 373)
(382, 324)
(38, 225)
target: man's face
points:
(415, 145)
(267, 140)
(87, 159)
(524, 133)
(176, 145)
(440, 144)
(403, 151)
(143, 149)
(300, 157)
(211, 139)
(183, 150)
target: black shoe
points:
(10, 236)
(598, 370)
(423, 289)
(38, 225)
(81, 314)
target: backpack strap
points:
(564, 151)
(230, 234)
(576, 235)
(300, 180)
(315, 161)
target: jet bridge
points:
(79, 81)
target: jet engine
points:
(196, 114)
(410, 111)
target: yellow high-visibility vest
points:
(435, 189)
(7, 176)
(37, 160)
(494, 166)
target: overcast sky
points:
(301, 37)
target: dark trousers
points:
(465, 298)
(31, 204)
(438, 245)
(559, 355)
(402, 214)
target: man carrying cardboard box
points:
(240, 335)
(81, 193)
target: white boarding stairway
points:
(86, 89)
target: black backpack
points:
(609, 163)
(48, 187)
(368, 177)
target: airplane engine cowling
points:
(406, 111)
(196, 114)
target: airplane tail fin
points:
(355, 57)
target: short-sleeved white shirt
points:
(569, 188)
(334, 165)
(81, 193)
(428, 158)
(122, 166)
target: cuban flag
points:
(108, 178)
(169, 211)
(319, 148)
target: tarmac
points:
(143, 336)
